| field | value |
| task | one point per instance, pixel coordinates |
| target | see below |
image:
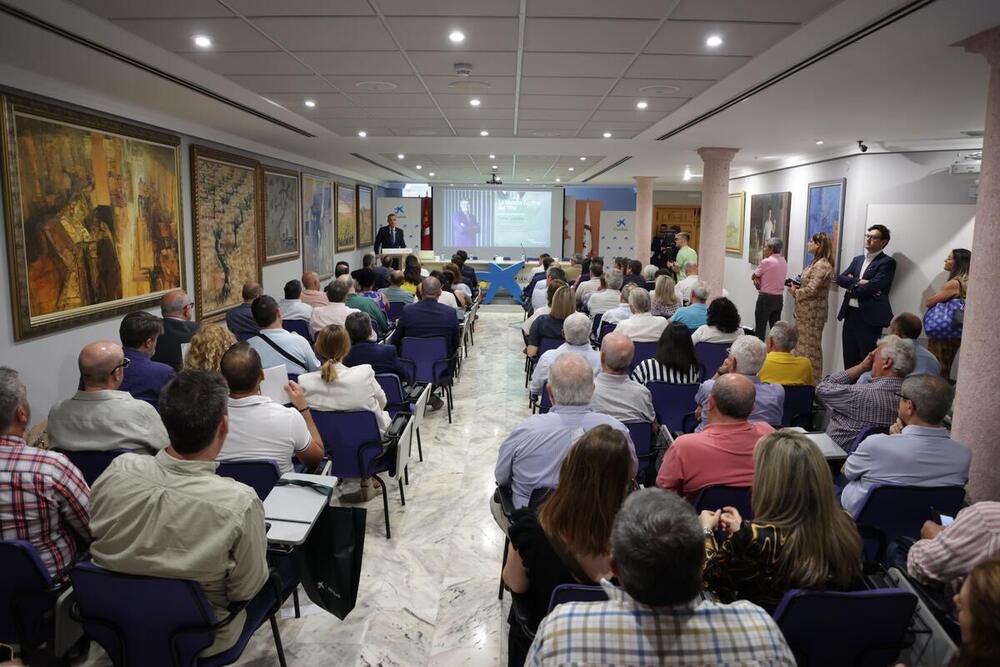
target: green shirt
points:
(685, 255)
(366, 305)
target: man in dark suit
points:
(428, 319)
(177, 328)
(239, 319)
(389, 236)
(382, 358)
(866, 309)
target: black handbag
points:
(331, 559)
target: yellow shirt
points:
(409, 287)
(786, 368)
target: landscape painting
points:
(225, 206)
(825, 213)
(347, 221)
(734, 222)
(366, 216)
(281, 215)
(93, 216)
(768, 219)
(317, 225)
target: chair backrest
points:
(864, 628)
(22, 586)
(259, 474)
(716, 497)
(395, 310)
(576, 593)
(142, 620)
(606, 328)
(871, 430)
(428, 356)
(301, 327)
(92, 464)
(710, 356)
(595, 327)
(672, 402)
(798, 405)
(642, 437)
(392, 386)
(546, 344)
(544, 400)
(901, 510)
(353, 442)
(643, 351)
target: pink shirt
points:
(772, 272)
(720, 455)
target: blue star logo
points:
(399, 210)
(621, 223)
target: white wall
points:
(906, 178)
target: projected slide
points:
(494, 218)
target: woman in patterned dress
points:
(812, 300)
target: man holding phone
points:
(946, 553)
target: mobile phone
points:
(942, 519)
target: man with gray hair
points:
(539, 294)
(918, 452)
(43, 497)
(746, 357)
(695, 314)
(658, 553)
(177, 310)
(855, 407)
(615, 394)
(721, 454)
(621, 311)
(576, 333)
(609, 296)
(337, 310)
(642, 326)
(769, 279)
(781, 366)
(531, 455)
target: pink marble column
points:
(643, 217)
(978, 399)
(714, 204)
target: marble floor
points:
(428, 596)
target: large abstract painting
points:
(317, 225)
(281, 215)
(347, 221)
(825, 213)
(768, 219)
(734, 222)
(93, 216)
(366, 216)
(225, 209)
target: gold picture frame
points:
(735, 217)
(346, 218)
(281, 190)
(366, 215)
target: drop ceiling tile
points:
(559, 101)
(393, 100)
(119, 9)
(491, 125)
(616, 126)
(487, 101)
(567, 85)
(351, 128)
(442, 63)
(370, 64)
(431, 33)
(685, 67)
(561, 125)
(594, 132)
(586, 35)
(230, 34)
(283, 84)
(329, 114)
(509, 132)
(684, 87)
(482, 114)
(407, 123)
(300, 7)
(797, 11)
(554, 114)
(739, 39)
(449, 8)
(646, 9)
(654, 104)
(326, 33)
(491, 85)
(632, 116)
(254, 62)
(403, 112)
(296, 102)
(575, 64)
(404, 84)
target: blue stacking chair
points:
(642, 437)
(674, 403)
(395, 310)
(873, 430)
(713, 498)
(798, 405)
(643, 351)
(27, 596)
(92, 464)
(710, 356)
(863, 628)
(432, 363)
(595, 329)
(396, 402)
(259, 474)
(892, 511)
(576, 593)
(301, 327)
(606, 328)
(157, 622)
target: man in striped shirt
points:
(657, 548)
(947, 554)
(43, 497)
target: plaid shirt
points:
(43, 500)
(855, 407)
(625, 632)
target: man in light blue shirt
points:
(918, 452)
(696, 314)
(746, 356)
(291, 306)
(908, 325)
(277, 347)
(576, 332)
(532, 454)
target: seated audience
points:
(367, 304)
(99, 417)
(615, 394)
(649, 273)
(412, 274)
(781, 366)
(922, 453)
(367, 285)
(342, 268)
(382, 272)
(550, 325)
(554, 272)
(746, 356)
(177, 310)
(462, 292)
(382, 358)
(687, 283)
(633, 274)
(259, 428)
(428, 319)
(722, 453)
(722, 323)
(239, 319)
(576, 332)
(531, 455)
(799, 537)
(312, 294)
(144, 378)
(909, 326)
(657, 616)
(641, 327)
(856, 407)
(44, 499)
(663, 299)
(621, 311)
(276, 346)
(292, 307)
(468, 273)
(171, 516)
(337, 310)
(588, 287)
(695, 314)
(609, 296)
(447, 296)
(207, 348)
(978, 605)
(946, 554)
(569, 542)
(395, 293)
(674, 361)
(368, 264)
(544, 310)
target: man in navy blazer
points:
(428, 319)
(389, 236)
(382, 358)
(866, 309)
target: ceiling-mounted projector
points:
(494, 180)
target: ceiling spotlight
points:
(362, 134)
(400, 157)
(492, 156)
(641, 105)
(528, 180)
(475, 102)
(484, 133)
(203, 41)
(310, 103)
(862, 146)
(607, 135)
(457, 36)
(583, 159)
(495, 167)
(558, 180)
(430, 173)
(687, 174)
(420, 166)
(714, 41)
(819, 142)
(571, 168)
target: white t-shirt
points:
(448, 299)
(710, 334)
(259, 428)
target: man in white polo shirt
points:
(259, 428)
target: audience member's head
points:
(430, 289)
(463, 254)
(723, 315)
(783, 337)
(331, 346)
(338, 289)
(617, 351)
(978, 605)
(649, 272)
(665, 293)
(925, 400)
(555, 273)
(341, 269)
(368, 261)
(961, 261)
(265, 312)
(906, 325)
(634, 267)
(366, 279)
(675, 350)
(571, 380)
(894, 356)
(458, 261)
(208, 345)
(193, 407)
(411, 270)
(251, 291)
(699, 293)
(310, 280)
(386, 261)
(658, 548)
(613, 279)
(563, 303)
(626, 290)
(576, 329)
(242, 369)
(550, 290)
(102, 365)
(596, 268)
(15, 413)
(359, 327)
(691, 269)
(773, 246)
(747, 354)
(682, 239)
(293, 290)
(821, 248)
(139, 331)
(731, 399)
(177, 305)
(396, 278)
(546, 260)
(638, 300)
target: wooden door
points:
(688, 218)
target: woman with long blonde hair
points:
(800, 537)
(208, 345)
(812, 301)
(664, 297)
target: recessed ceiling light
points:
(495, 167)
(528, 180)
(451, 185)
(203, 41)
(362, 134)
(819, 142)
(583, 159)
(607, 135)
(430, 173)
(641, 105)
(558, 180)
(475, 102)
(571, 168)
(310, 103)
(457, 36)
(492, 156)
(400, 157)
(420, 166)
(714, 41)
(484, 133)
(687, 174)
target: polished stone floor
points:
(428, 596)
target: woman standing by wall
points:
(945, 348)
(812, 301)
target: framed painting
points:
(225, 211)
(734, 223)
(825, 213)
(317, 225)
(366, 215)
(281, 214)
(347, 222)
(768, 219)
(93, 216)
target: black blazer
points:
(428, 319)
(168, 345)
(382, 359)
(383, 239)
(873, 297)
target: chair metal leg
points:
(295, 601)
(447, 391)
(385, 505)
(406, 474)
(277, 642)
(402, 496)
(420, 448)
(506, 543)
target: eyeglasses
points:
(906, 398)
(873, 237)
(124, 364)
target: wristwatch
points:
(709, 533)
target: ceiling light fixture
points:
(641, 105)
(495, 167)
(713, 41)
(475, 102)
(430, 173)
(420, 166)
(687, 174)
(583, 159)
(362, 134)
(310, 103)
(558, 180)
(484, 133)
(607, 135)
(492, 156)
(457, 36)
(571, 168)
(819, 142)
(202, 41)
(400, 157)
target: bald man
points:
(178, 311)
(240, 319)
(615, 394)
(428, 319)
(312, 294)
(99, 417)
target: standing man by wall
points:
(866, 309)
(769, 279)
